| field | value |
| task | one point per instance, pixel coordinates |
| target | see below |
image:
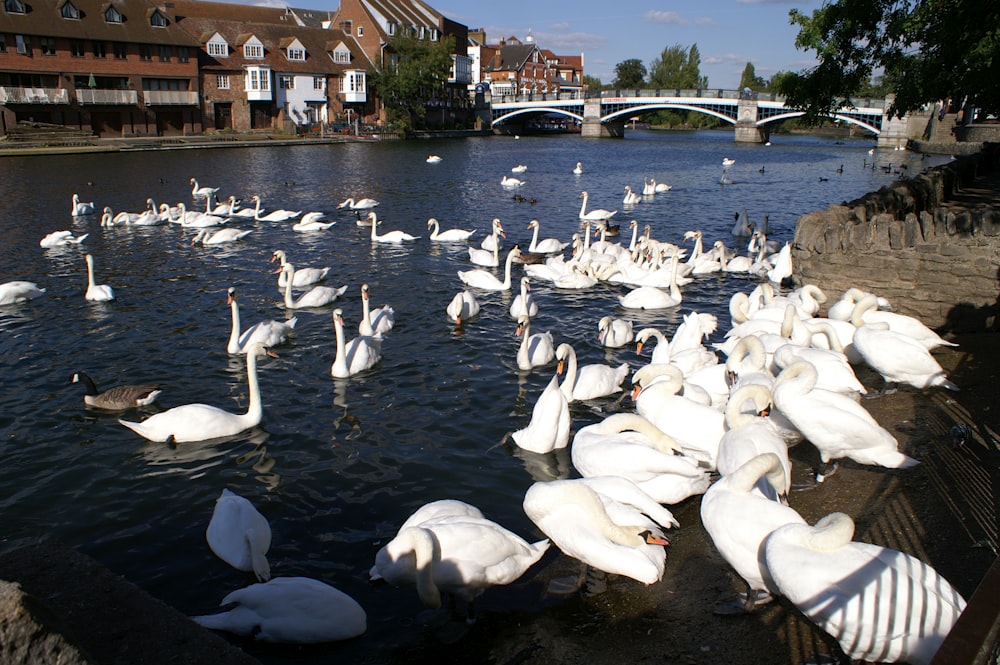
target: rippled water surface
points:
(336, 466)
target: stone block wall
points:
(915, 243)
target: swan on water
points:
(614, 333)
(202, 192)
(361, 353)
(374, 322)
(267, 333)
(61, 239)
(201, 422)
(97, 292)
(273, 216)
(317, 296)
(510, 183)
(482, 279)
(449, 235)
(535, 349)
(206, 236)
(578, 169)
(390, 237)
(462, 307)
(116, 398)
(520, 168)
(545, 246)
(302, 276)
(596, 215)
(880, 604)
(492, 241)
(359, 204)
(19, 291)
(290, 610)
(239, 535)
(631, 198)
(433, 159)
(312, 221)
(523, 303)
(82, 208)
(550, 421)
(589, 381)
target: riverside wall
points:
(930, 244)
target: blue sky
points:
(729, 33)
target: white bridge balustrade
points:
(11, 95)
(115, 97)
(750, 112)
(170, 97)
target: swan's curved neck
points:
(234, 335)
(510, 261)
(90, 272)
(569, 383)
(831, 532)
(255, 409)
(534, 239)
(289, 271)
(340, 361)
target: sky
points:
(729, 33)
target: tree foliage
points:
(630, 73)
(927, 50)
(412, 73)
(592, 82)
(749, 79)
(677, 68)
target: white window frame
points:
(295, 54)
(218, 49)
(222, 82)
(286, 81)
(253, 51)
(342, 56)
(319, 83)
(361, 31)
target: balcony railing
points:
(33, 95)
(359, 96)
(170, 97)
(119, 97)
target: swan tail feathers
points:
(261, 568)
(291, 322)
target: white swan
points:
(61, 239)
(489, 258)
(459, 554)
(697, 427)
(487, 281)
(191, 219)
(239, 535)
(302, 276)
(739, 520)
(449, 235)
(267, 333)
(208, 237)
(661, 187)
(549, 426)
(510, 183)
(361, 353)
(727, 162)
(899, 358)
(375, 322)
(202, 192)
(546, 246)
(590, 381)
(524, 303)
(878, 603)
(391, 237)
(865, 312)
(833, 371)
(492, 241)
(19, 291)
(200, 422)
(81, 208)
(360, 204)
(631, 198)
(317, 296)
(462, 307)
(312, 221)
(598, 214)
(781, 268)
(273, 216)
(614, 333)
(652, 297)
(629, 446)
(290, 610)
(116, 398)
(97, 292)
(751, 433)
(433, 159)
(648, 188)
(578, 169)
(536, 349)
(836, 424)
(610, 534)
(520, 168)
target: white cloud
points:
(560, 26)
(672, 18)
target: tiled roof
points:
(44, 18)
(404, 12)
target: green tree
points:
(749, 79)
(927, 49)
(412, 72)
(592, 82)
(677, 68)
(629, 74)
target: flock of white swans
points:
(712, 420)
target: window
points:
(13, 6)
(361, 31)
(392, 29)
(121, 50)
(434, 34)
(3, 43)
(23, 44)
(69, 10)
(297, 54)
(112, 15)
(145, 52)
(286, 82)
(222, 81)
(258, 79)
(319, 83)
(157, 20)
(183, 55)
(100, 49)
(48, 45)
(164, 53)
(76, 48)
(253, 51)
(218, 49)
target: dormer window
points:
(341, 55)
(112, 15)
(70, 11)
(294, 51)
(13, 6)
(157, 20)
(253, 49)
(217, 47)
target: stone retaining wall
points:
(915, 243)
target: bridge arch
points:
(536, 110)
(836, 116)
(668, 105)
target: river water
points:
(336, 466)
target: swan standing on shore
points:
(239, 535)
(97, 292)
(481, 279)
(878, 603)
(361, 353)
(899, 358)
(267, 333)
(200, 422)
